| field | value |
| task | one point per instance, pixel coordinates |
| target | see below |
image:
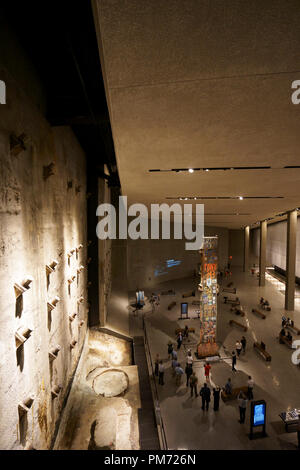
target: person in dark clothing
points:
(179, 340)
(233, 361)
(156, 363)
(186, 332)
(244, 342)
(242, 401)
(188, 371)
(205, 394)
(161, 371)
(216, 393)
(170, 349)
(193, 384)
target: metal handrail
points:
(158, 415)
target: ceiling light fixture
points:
(191, 170)
(241, 198)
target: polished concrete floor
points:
(277, 382)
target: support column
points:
(246, 248)
(262, 252)
(290, 260)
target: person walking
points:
(228, 387)
(170, 349)
(175, 363)
(178, 373)
(179, 340)
(233, 358)
(174, 354)
(193, 384)
(189, 358)
(207, 368)
(216, 394)
(244, 342)
(186, 332)
(205, 394)
(156, 363)
(250, 384)
(161, 371)
(242, 401)
(188, 371)
(238, 347)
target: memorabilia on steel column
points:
(208, 298)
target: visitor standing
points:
(179, 340)
(244, 342)
(233, 358)
(161, 371)
(207, 368)
(228, 387)
(179, 373)
(186, 332)
(242, 401)
(193, 384)
(170, 349)
(216, 394)
(189, 358)
(250, 384)
(205, 394)
(174, 365)
(188, 371)
(174, 354)
(238, 347)
(156, 363)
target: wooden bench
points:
(181, 330)
(262, 351)
(168, 292)
(294, 329)
(285, 340)
(171, 305)
(238, 311)
(229, 300)
(230, 290)
(234, 322)
(189, 294)
(260, 314)
(234, 394)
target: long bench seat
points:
(262, 351)
(257, 312)
(234, 322)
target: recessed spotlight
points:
(191, 170)
(195, 198)
(241, 198)
(185, 198)
(206, 169)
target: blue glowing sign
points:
(259, 414)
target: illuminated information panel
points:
(208, 298)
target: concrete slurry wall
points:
(105, 254)
(41, 219)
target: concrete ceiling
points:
(204, 83)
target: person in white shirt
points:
(250, 384)
(189, 359)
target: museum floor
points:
(278, 381)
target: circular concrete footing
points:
(111, 383)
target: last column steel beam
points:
(262, 252)
(246, 248)
(290, 260)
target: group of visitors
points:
(264, 303)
